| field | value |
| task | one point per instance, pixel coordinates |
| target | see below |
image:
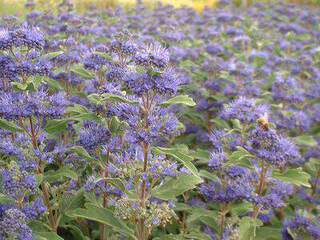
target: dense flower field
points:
(162, 123)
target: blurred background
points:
(8, 7)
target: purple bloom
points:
(93, 135)
(13, 225)
(301, 226)
(244, 109)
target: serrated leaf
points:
(116, 182)
(52, 55)
(104, 55)
(116, 126)
(181, 157)
(202, 154)
(117, 98)
(78, 69)
(53, 83)
(268, 233)
(247, 228)
(80, 113)
(76, 232)
(205, 174)
(180, 99)
(20, 86)
(71, 201)
(305, 140)
(197, 214)
(6, 199)
(103, 98)
(46, 236)
(39, 226)
(197, 236)
(174, 187)
(60, 175)
(81, 152)
(220, 123)
(104, 216)
(55, 126)
(10, 126)
(240, 157)
(294, 176)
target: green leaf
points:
(20, 86)
(200, 214)
(180, 99)
(10, 126)
(102, 215)
(76, 232)
(39, 179)
(170, 237)
(55, 126)
(182, 207)
(117, 126)
(78, 69)
(60, 175)
(174, 187)
(6, 199)
(268, 233)
(81, 152)
(104, 55)
(202, 154)
(305, 140)
(181, 157)
(46, 236)
(52, 55)
(117, 98)
(220, 123)
(53, 83)
(103, 98)
(205, 174)
(80, 113)
(295, 176)
(247, 228)
(197, 236)
(241, 208)
(39, 226)
(117, 182)
(240, 157)
(236, 123)
(71, 201)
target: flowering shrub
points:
(160, 123)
